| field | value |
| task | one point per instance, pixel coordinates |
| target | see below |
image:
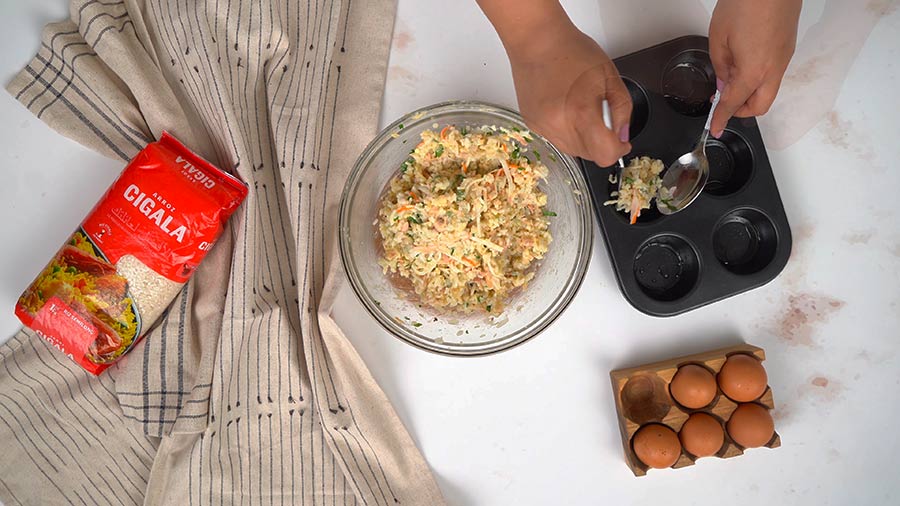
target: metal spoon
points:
(685, 178)
(607, 120)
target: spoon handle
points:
(712, 109)
(607, 120)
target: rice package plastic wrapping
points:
(116, 275)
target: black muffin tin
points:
(735, 236)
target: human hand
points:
(750, 44)
(562, 77)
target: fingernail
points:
(718, 134)
(623, 133)
(720, 84)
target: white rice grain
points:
(152, 292)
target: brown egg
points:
(743, 378)
(702, 435)
(751, 425)
(693, 386)
(656, 445)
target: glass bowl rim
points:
(512, 339)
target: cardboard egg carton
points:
(642, 397)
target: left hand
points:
(750, 44)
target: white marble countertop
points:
(537, 425)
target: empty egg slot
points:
(645, 398)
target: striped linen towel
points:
(247, 392)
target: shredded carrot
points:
(635, 210)
(465, 166)
(402, 209)
(470, 261)
(444, 132)
(413, 197)
(514, 166)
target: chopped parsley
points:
(464, 131)
(514, 154)
(405, 165)
(416, 324)
(416, 218)
(439, 150)
(552, 157)
(460, 195)
(537, 155)
(400, 126)
(549, 213)
(488, 307)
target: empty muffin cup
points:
(730, 164)
(745, 241)
(640, 108)
(689, 82)
(666, 267)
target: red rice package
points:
(131, 256)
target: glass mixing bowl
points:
(528, 311)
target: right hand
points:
(562, 77)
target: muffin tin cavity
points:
(666, 267)
(730, 164)
(640, 108)
(688, 81)
(745, 241)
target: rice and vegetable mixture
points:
(464, 222)
(640, 184)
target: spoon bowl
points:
(685, 178)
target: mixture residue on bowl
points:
(640, 185)
(464, 221)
